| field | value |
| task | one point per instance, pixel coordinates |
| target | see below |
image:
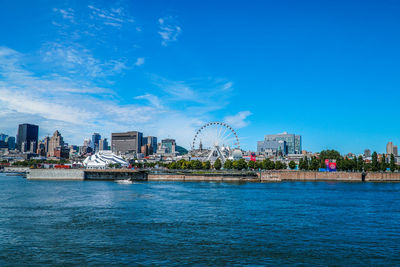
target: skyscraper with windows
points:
(151, 144)
(128, 142)
(56, 142)
(11, 142)
(389, 148)
(103, 144)
(27, 133)
(96, 137)
(291, 143)
(3, 137)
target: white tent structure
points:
(102, 159)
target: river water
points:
(198, 223)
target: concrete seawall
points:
(265, 176)
(276, 176)
(84, 174)
(200, 178)
(56, 174)
(115, 174)
(16, 169)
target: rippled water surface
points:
(174, 223)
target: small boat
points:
(125, 181)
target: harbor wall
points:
(264, 176)
(16, 169)
(210, 178)
(115, 174)
(84, 174)
(276, 176)
(56, 174)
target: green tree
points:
(268, 164)
(228, 164)
(374, 163)
(217, 164)
(252, 164)
(329, 154)
(279, 165)
(314, 164)
(206, 165)
(383, 163)
(185, 165)
(355, 164)
(258, 165)
(239, 164)
(292, 165)
(172, 165)
(392, 163)
(303, 164)
(360, 163)
(197, 165)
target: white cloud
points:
(139, 61)
(154, 100)
(78, 108)
(115, 17)
(227, 85)
(202, 94)
(68, 14)
(169, 30)
(238, 120)
(76, 59)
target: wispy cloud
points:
(238, 120)
(68, 13)
(76, 59)
(77, 107)
(203, 94)
(115, 17)
(139, 61)
(169, 30)
(154, 100)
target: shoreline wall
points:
(188, 177)
(264, 176)
(56, 174)
(271, 176)
(9, 169)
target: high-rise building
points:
(272, 147)
(96, 137)
(3, 144)
(33, 147)
(55, 142)
(128, 142)
(103, 144)
(151, 145)
(10, 142)
(367, 153)
(167, 146)
(26, 134)
(389, 148)
(395, 152)
(3, 137)
(292, 144)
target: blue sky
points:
(327, 70)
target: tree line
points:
(240, 164)
(347, 164)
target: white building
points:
(102, 159)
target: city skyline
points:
(321, 70)
(292, 143)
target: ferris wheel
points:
(216, 135)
